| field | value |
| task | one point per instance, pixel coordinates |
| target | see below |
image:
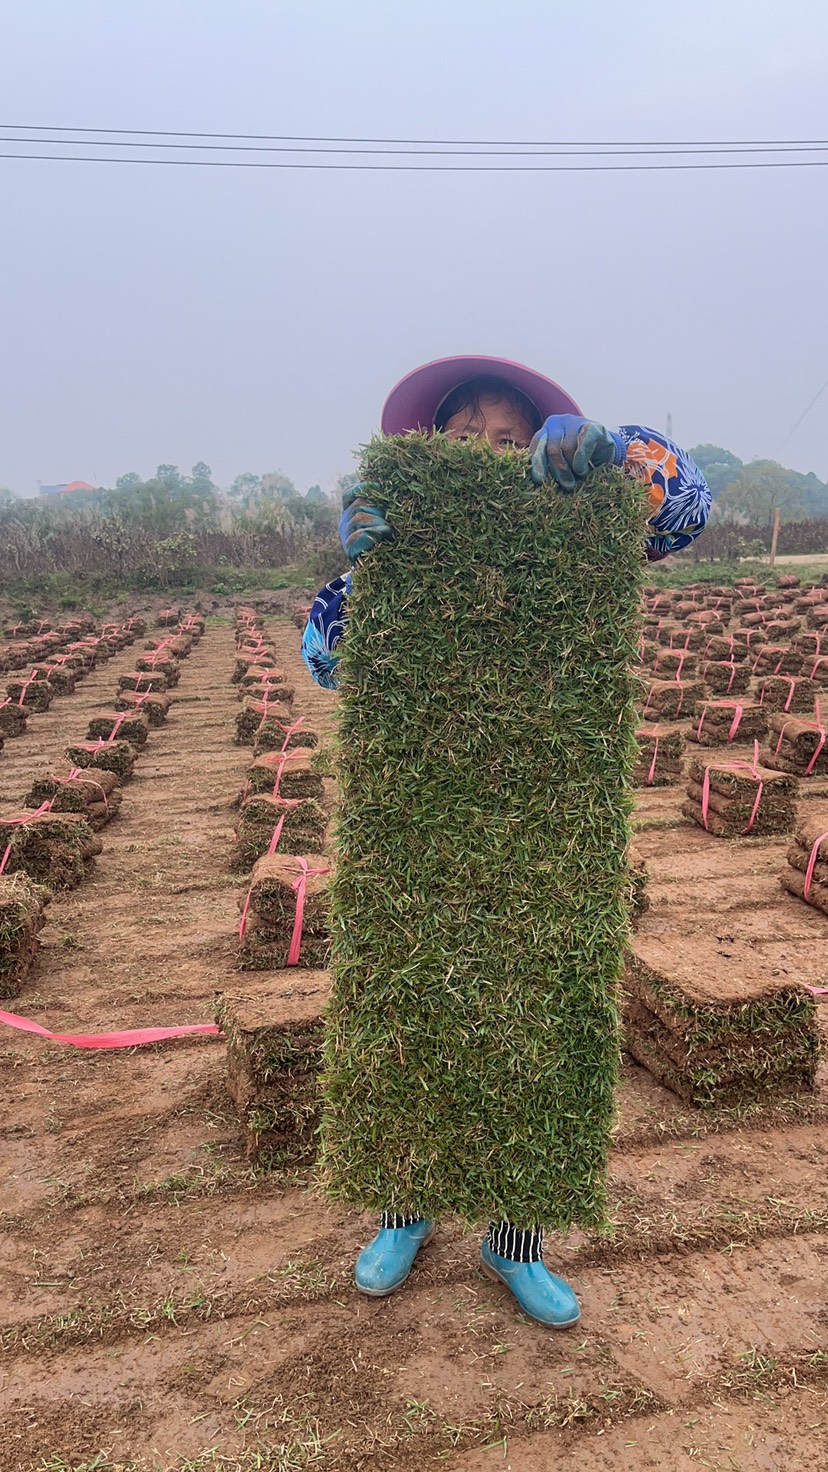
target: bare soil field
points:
(163, 1307)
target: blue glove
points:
(567, 448)
(361, 526)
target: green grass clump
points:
(479, 901)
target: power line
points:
(804, 413)
(215, 163)
(447, 142)
(538, 152)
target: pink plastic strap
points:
(809, 872)
(736, 722)
(733, 767)
(26, 683)
(271, 849)
(701, 721)
(75, 772)
(651, 773)
(130, 1039)
(821, 659)
(300, 885)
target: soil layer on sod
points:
(479, 905)
(22, 916)
(716, 1023)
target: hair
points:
(468, 395)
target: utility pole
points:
(669, 425)
(774, 538)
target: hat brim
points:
(413, 403)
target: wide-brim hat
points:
(413, 403)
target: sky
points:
(256, 319)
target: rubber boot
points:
(542, 1296)
(386, 1262)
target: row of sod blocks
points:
(743, 667)
(274, 1029)
(50, 845)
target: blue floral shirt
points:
(680, 505)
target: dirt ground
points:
(161, 1307)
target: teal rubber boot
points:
(386, 1262)
(542, 1296)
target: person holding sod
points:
(511, 407)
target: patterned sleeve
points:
(324, 630)
(678, 492)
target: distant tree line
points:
(169, 528)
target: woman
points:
(511, 407)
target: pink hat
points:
(413, 403)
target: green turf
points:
(479, 903)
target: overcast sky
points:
(256, 319)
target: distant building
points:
(65, 487)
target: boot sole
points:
(496, 1278)
(386, 1292)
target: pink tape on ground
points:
(133, 1038)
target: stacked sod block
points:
(302, 831)
(798, 744)
(51, 848)
(114, 756)
(22, 916)
(271, 717)
(671, 700)
(659, 758)
(479, 904)
(13, 717)
(286, 906)
(735, 799)
(154, 707)
(794, 693)
(94, 793)
(297, 777)
(131, 728)
(150, 683)
(160, 664)
(725, 677)
(806, 872)
(722, 722)
(35, 693)
(274, 1053)
(716, 1023)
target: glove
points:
(361, 526)
(568, 448)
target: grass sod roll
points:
(479, 906)
(154, 707)
(114, 756)
(144, 683)
(13, 717)
(131, 728)
(22, 906)
(303, 828)
(52, 848)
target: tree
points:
(126, 482)
(276, 483)
(169, 476)
(760, 489)
(245, 484)
(718, 466)
(316, 495)
(202, 476)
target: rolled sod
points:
(721, 722)
(52, 848)
(62, 680)
(809, 853)
(787, 692)
(114, 756)
(671, 700)
(131, 728)
(255, 714)
(167, 618)
(797, 744)
(271, 906)
(732, 796)
(715, 1023)
(274, 1054)
(154, 707)
(36, 694)
(140, 681)
(95, 794)
(479, 904)
(22, 907)
(303, 829)
(658, 758)
(725, 677)
(679, 639)
(293, 769)
(775, 659)
(168, 667)
(13, 717)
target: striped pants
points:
(518, 1244)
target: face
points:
(500, 424)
